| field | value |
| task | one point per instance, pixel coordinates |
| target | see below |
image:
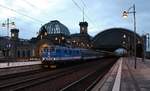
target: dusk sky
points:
(29, 15)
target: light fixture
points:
(56, 38)
(62, 38)
(12, 34)
(125, 14)
(124, 36)
(45, 33)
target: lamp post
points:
(145, 44)
(7, 24)
(147, 40)
(125, 14)
(124, 44)
(129, 46)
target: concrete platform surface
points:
(124, 77)
(17, 64)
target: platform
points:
(18, 64)
(124, 77)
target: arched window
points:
(28, 53)
(23, 53)
(18, 53)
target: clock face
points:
(82, 28)
(12, 34)
(45, 33)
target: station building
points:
(51, 33)
(55, 33)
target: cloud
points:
(102, 14)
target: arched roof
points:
(55, 27)
(113, 38)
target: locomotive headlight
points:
(52, 59)
(43, 59)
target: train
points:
(55, 56)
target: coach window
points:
(57, 50)
(65, 51)
(78, 52)
(70, 52)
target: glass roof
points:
(55, 27)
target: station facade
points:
(56, 33)
(51, 33)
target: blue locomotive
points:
(59, 55)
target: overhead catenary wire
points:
(84, 4)
(40, 21)
(35, 7)
(27, 2)
(81, 9)
(77, 5)
(32, 18)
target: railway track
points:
(20, 81)
(64, 81)
(15, 75)
(53, 80)
(87, 82)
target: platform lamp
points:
(8, 24)
(125, 15)
(125, 42)
(145, 44)
(147, 39)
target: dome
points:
(55, 27)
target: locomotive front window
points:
(58, 50)
(70, 52)
(44, 50)
(65, 51)
(52, 49)
(78, 52)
